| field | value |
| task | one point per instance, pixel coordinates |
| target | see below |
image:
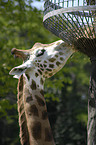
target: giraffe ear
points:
(18, 71)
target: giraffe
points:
(39, 63)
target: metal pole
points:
(91, 127)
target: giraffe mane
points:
(24, 135)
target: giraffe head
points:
(43, 59)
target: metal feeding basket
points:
(74, 21)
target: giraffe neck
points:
(35, 118)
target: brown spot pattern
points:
(28, 99)
(42, 92)
(36, 130)
(58, 63)
(46, 72)
(44, 115)
(40, 101)
(52, 59)
(36, 74)
(21, 69)
(51, 65)
(33, 85)
(39, 71)
(33, 110)
(45, 65)
(48, 69)
(41, 65)
(41, 81)
(42, 69)
(51, 74)
(92, 102)
(61, 58)
(28, 77)
(37, 85)
(61, 53)
(48, 135)
(38, 64)
(56, 55)
(45, 61)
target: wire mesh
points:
(74, 21)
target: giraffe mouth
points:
(23, 54)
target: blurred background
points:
(66, 93)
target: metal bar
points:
(80, 30)
(75, 26)
(72, 9)
(89, 30)
(83, 25)
(50, 28)
(92, 25)
(67, 29)
(72, 3)
(67, 4)
(84, 28)
(87, 24)
(63, 4)
(70, 24)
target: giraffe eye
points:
(40, 52)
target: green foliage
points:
(66, 92)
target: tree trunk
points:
(91, 127)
